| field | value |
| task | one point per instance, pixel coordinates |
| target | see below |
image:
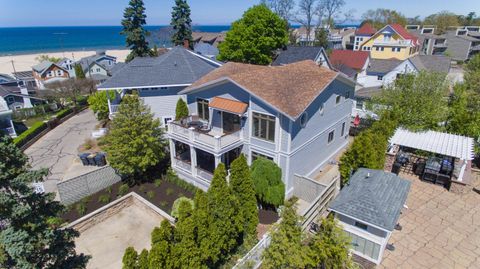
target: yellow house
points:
(392, 41)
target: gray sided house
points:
(158, 80)
(19, 97)
(293, 54)
(297, 115)
(98, 67)
(6, 124)
(368, 209)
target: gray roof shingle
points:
(39, 68)
(295, 54)
(433, 63)
(382, 66)
(177, 66)
(374, 197)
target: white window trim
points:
(261, 139)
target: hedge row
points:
(36, 128)
(64, 112)
(173, 178)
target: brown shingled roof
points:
(289, 88)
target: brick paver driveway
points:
(440, 229)
(59, 147)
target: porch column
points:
(109, 104)
(172, 152)
(193, 161)
(218, 160)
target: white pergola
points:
(446, 144)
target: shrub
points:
(109, 190)
(177, 203)
(157, 182)
(142, 188)
(163, 204)
(36, 128)
(104, 198)
(173, 178)
(267, 178)
(89, 144)
(169, 191)
(181, 110)
(81, 208)
(63, 113)
(150, 194)
(123, 189)
(130, 258)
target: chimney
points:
(186, 44)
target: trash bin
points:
(396, 168)
(91, 159)
(83, 158)
(100, 159)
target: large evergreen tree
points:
(286, 249)
(254, 38)
(31, 236)
(135, 141)
(181, 23)
(243, 188)
(134, 18)
(181, 110)
(129, 259)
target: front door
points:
(231, 122)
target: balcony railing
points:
(182, 164)
(204, 174)
(393, 42)
(216, 142)
(114, 109)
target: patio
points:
(439, 229)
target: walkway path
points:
(57, 150)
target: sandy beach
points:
(26, 61)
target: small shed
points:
(458, 147)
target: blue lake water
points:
(47, 39)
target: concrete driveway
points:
(57, 150)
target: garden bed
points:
(161, 195)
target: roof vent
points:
(368, 175)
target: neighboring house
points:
(392, 41)
(69, 65)
(206, 50)
(98, 67)
(158, 80)
(213, 39)
(340, 39)
(18, 97)
(6, 124)
(381, 73)
(47, 72)
(337, 38)
(368, 209)
(26, 79)
(351, 63)
(293, 54)
(460, 44)
(361, 34)
(4, 78)
(297, 115)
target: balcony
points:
(393, 43)
(201, 136)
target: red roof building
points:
(366, 30)
(404, 33)
(352, 59)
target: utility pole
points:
(15, 74)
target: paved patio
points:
(440, 229)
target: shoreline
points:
(64, 50)
(24, 62)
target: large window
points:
(202, 107)
(364, 246)
(343, 129)
(331, 136)
(264, 126)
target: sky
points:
(20, 13)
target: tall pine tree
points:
(243, 188)
(181, 23)
(133, 22)
(31, 236)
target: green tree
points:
(267, 178)
(472, 73)
(176, 206)
(243, 188)
(79, 74)
(321, 38)
(464, 112)
(181, 110)
(286, 248)
(254, 38)
(129, 259)
(162, 233)
(44, 57)
(223, 206)
(419, 102)
(134, 18)
(98, 103)
(135, 141)
(330, 247)
(442, 20)
(143, 260)
(181, 23)
(31, 236)
(161, 255)
(380, 17)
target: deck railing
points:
(9, 131)
(216, 142)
